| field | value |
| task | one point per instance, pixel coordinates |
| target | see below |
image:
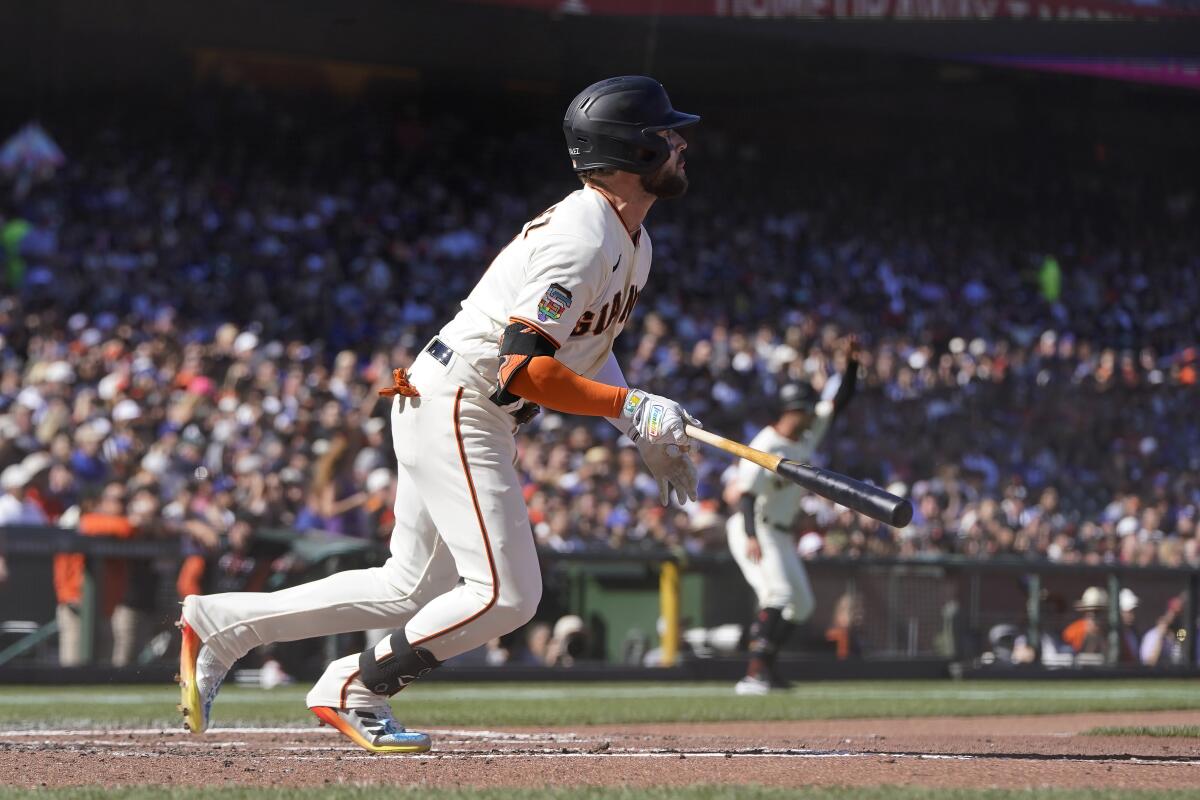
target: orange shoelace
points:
(400, 385)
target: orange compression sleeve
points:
(547, 382)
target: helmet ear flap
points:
(646, 155)
(630, 156)
(653, 151)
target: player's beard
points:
(666, 182)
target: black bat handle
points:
(862, 497)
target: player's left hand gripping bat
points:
(855, 495)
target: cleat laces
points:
(380, 726)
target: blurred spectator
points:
(1002, 643)
(15, 507)
(378, 506)
(537, 642)
(1165, 644)
(1053, 653)
(810, 545)
(338, 498)
(101, 516)
(237, 568)
(1087, 633)
(1130, 638)
(846, 627)
(568, 642)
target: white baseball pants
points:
(779, 579)
(463, 566)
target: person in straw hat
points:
(1086, 634)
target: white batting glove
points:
(672, 468)
(656, 419)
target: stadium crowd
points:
(198, 311)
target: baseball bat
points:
(855, 495)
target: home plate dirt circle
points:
(1033, 751)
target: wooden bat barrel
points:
(862, 497)
(853, 494)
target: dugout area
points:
(656, 615)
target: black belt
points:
(442, 352)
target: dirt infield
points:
(1005, 752)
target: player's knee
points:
(780, 596)
(517, 607)
(508, 618)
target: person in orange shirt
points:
(103, 516)
(1086, 634)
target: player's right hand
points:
(656, 419)
(753, 550)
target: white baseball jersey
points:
(574, 273)
(778, 499)
(464, 566)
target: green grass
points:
(590, 793)
(1170, 731)
(446, 704)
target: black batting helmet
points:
(797, 397)
(612, 124)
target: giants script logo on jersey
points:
(616, 310)
(554, 302)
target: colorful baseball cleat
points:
(200, 677)
(373, 729)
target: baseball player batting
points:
(537, 330)
(760, 533)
